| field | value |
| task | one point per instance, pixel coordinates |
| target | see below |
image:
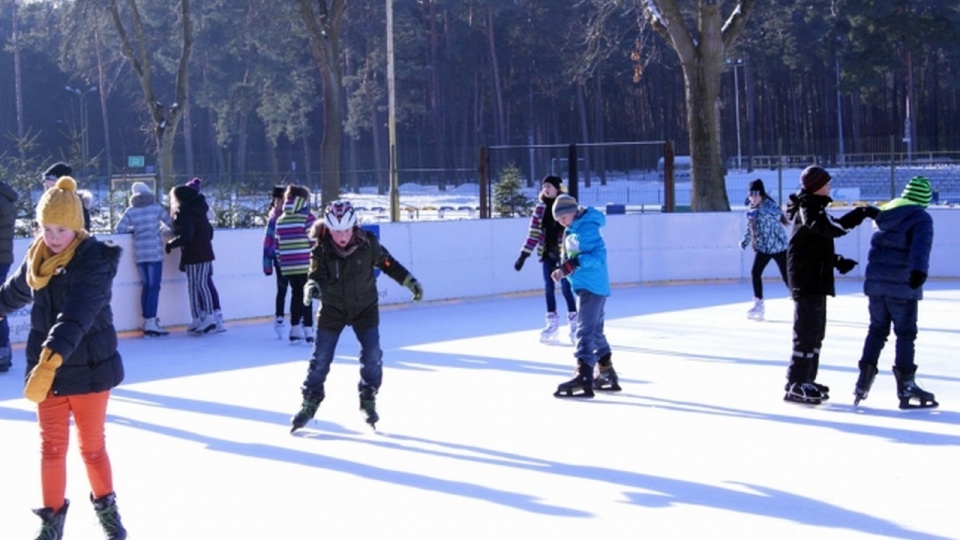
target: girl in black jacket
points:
(72, 357)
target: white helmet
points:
(340, 216)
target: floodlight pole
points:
(392, 120)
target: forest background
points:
(251, 93)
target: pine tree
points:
(509, 201)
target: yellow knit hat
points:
(60, 205)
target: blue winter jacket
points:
(582, 241)
(901, 244)
(765, 231)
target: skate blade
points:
(571, 394)
(155, 334)
(790, 398)
(923, 405)
(609, 388)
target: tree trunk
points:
(495, 69)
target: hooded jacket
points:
(348, 285)
(901, 244)
(72, 317)
(193, 233)
(811, 256)
(582, 241)
(293, 242)
(143, 218)
(765, 230)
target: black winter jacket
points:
(193, 233)
(348, 286)
(8, 219)
(72, 316)
(811, 258)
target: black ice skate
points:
(368, 404)
(311, 402)
(868, 372)
(912, 396)
(606, 378)
(806, 393)
(580, 385)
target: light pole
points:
(737, 62)
(84, 139)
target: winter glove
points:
(565, 269)
(41, 376)
(917, 278)
(411, 283)
(310, 291)
(871, 211)
(167, 247)
(744, 243)
(853, 218)
(844, 265)
(520, 260)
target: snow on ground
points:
(472, 444)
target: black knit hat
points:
(554, 181)
(813, 178)
(57, 170)
(756, 187)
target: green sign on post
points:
(135, 161)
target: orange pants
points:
(89, 414)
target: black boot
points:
(52, 527)
(912, 396)
(579, 386)
(606, 378)
(109, 516)
(868, 372)
(368, 404)
(311, 402)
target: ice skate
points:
(606, 377)
(368, 404)
(756, 312)
(311, 402)
(912, 396)
(806, 393)
(581, 385)
(296, 334)
(824, 390)
(280, 327)
(218, 317)
(206, 324)
(308, 334)
(550, 332)
(868, 372)
(572, 322)
(151, 328)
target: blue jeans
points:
(591, 341)
(902, 313)
(4, 326)
(550, 289)
(371, 366)
(151, 274)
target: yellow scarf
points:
(43, 264)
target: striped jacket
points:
(143, 218)
(545, 234)
(293, 243)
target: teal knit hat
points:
(918, 191)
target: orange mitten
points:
(41, 376)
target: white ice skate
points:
(756, 312)
(572, 321)
(551, 332)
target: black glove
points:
(844, 265)
(853, 218)
(520, 260)
(917, 278)
(871, 211)
(167, 247)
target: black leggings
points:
(760, 262)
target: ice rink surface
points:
(472, 444)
